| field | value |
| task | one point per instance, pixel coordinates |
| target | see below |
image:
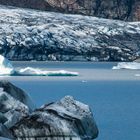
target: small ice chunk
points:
(137, 75)
(127, 65)
(84, 81)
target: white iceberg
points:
(137, 75)
(127, 65)
(6, 67)
(29, 71)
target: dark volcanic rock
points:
(33, 35)
(66, 119)
(16, 93)
(14, 105)
(113, 9)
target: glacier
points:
(35, 35)
(6, 68)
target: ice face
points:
(127, 65)
(6, 67)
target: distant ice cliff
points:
(35, 35)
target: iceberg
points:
(137, 75)
(127, 65)
(6, 68)
(29, 71)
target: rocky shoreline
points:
(64, 119)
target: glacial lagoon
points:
(113, 95)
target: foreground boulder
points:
(16, 93)
(14, 105)
(64, 119)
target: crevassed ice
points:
(6, 68)
(127, 65)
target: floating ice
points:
(137, 75)
(38, 72)
(6, 67)
(127, 65)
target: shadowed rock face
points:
(34, 35)
(14, 105)
(16, 93)
(113, 9)
(65, 119)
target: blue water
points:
(116, 105)
(114, 96)
(81, 65)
